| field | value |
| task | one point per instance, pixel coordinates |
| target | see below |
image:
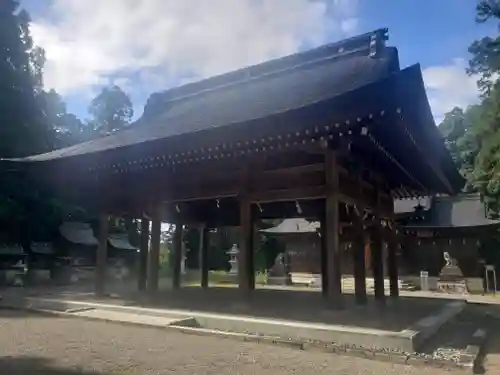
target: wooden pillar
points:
(377, 263)
(143, 255)
(359, 263)
(204, 257)
(154, 253)
(324, 257)
(332, 243)
(392, 266)
(246, 273)
(102, 255)
(177, 256)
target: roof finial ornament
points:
(377, 42)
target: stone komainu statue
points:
(450, 262)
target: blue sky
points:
(156, 44)
(429, 32)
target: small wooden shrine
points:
(334, 133)
(122, 256)
(78, 242)
(302, 239)
(302, 244)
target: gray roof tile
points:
(273, 87)
(405, 206)
(294, 226)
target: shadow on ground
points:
(8, 313)
(299, 306)
(294, 305)
(38, 366)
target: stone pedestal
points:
(278, 274)
(451, 279)
(118, 270)
(276, 280)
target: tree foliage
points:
(33, 121)
(485, 52)
(67, 129)
(22, 129)
(112, 110)
(473, 134)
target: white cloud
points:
(88, 41)
(349, 25)
(449, 86)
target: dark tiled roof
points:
(12, 249)
(406, 206)
(120, 241)
(78, 233)
(294, 226)
(464, 210)
(256, 92)
(44, 248)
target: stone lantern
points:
(233, 259)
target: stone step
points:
(133, 318)
(460, 339)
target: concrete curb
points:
(427, 327)
(239, 336)
(471, 357)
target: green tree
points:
(485, 52)
(484, 127)
(459, 129)
(22, 129)
(111, 111)
(486, 176)
(26, 210)
(67, 128)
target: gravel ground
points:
(33, 344)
